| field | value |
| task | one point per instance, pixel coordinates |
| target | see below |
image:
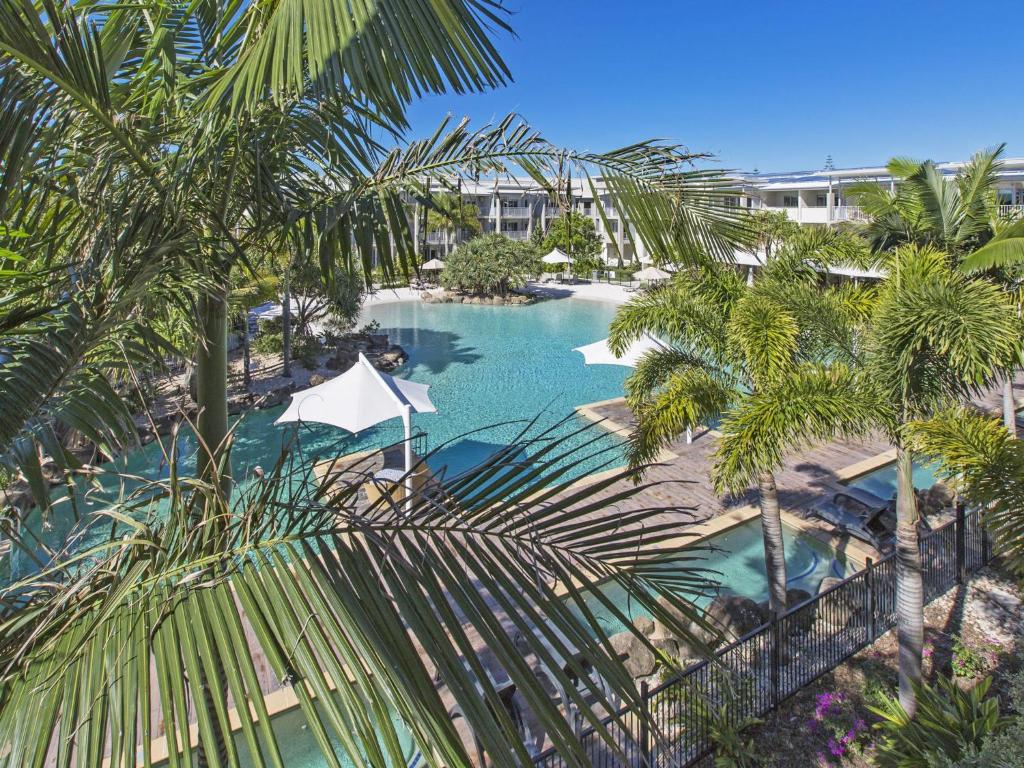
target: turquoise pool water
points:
(486, 366)
(882, 481)
(299, 748)
(737, 564)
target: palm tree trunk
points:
(1009, 405)
(246, 352)
(909, 583)
(286, 327)
(212, 389)
(774, 549)
(212, 430)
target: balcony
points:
(515, 213)
(516, 234)
(1011, 211)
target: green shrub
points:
(269, 342)
(490, 264)
(949, 723)
(306, 348)
(969, 661)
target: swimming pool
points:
(487, 365)
(737, 564)
(882, 481)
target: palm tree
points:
(724, 344)
(926, 338)
(450, 214)
(957, 214)
(988, 465)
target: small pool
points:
(738, 562)
(882, 481)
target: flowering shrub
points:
(844, 730)
(970, 662)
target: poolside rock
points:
(734, 615)
(316, 379)
(840, 608)
(643, 625)
(638, 659)
(938, 498)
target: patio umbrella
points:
(651, 273)
(432, 265)
(599, 353)
(360, 398)
(557, 257)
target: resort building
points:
(517, 207)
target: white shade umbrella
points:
(557, 257)
(433, 264)
(651, 273)
(360, 398)
(599, 353)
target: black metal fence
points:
(753, 675)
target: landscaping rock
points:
(317, 379)
(643, 625)
(639, 661)
(734, 615)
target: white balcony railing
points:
(848, 213)
(516, 234)
(1011, 211)
(515, 213)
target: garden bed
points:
(970, 631)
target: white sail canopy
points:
(358, 399)
(433, 265)
(599, 353)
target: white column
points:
(830, 207)
(407, 424)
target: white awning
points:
(433, 264)
(651, 273)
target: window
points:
(510, 226)
(732, 202)
(1005, 196)
(586, 205)
(790, 201)
(509, 203)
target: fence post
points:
(776, 655)
(960, 528)
(985, 554)
(869, 582)
(645, 728)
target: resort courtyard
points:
(376, 392)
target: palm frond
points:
(987, 463)
(812, 404)
(379, 620)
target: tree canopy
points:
(490, 264)
(574, 234)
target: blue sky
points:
(767, 85)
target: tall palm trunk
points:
(212, 389)
(246, 352)
(909, 583)
(212, 429)
(1009, 405)
(774, 549)
(286, 327)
